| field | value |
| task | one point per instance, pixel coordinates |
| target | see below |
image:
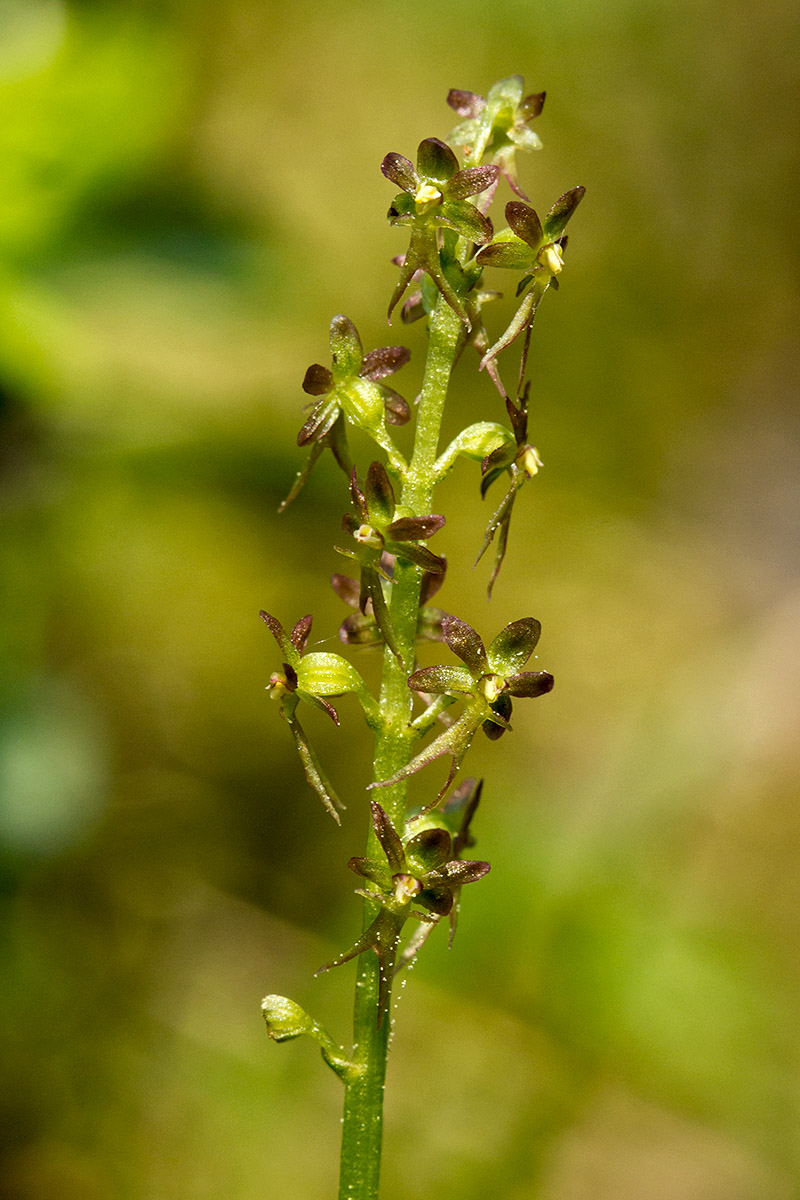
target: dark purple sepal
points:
(471, 181)
(525, 222)
(379, 495)
(415, 529)
(401, 172)
(300, 633)
(464, 641)
(459, 872)
(398, 410)
(530, 683)
(384, 361)
(466, 104)
(318, 380)
(388, 837)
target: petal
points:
(466, 643)
(431, 583)
(389, 839)
(372, 869)
(461, 871)
(428, 850)
(498, 724)
(514, 645)
(384, 361)
(562, 210)
(279, 633)
(320, 421)
(466, 104)
(317, 380)
(436, 161)
(530, 683)
(346, 348)
(437, 900)
(420, 556)
(415, 529)
(531, 106)
(299, 635)
(470, 182)
(401, 172)
(515, 256)
(359, 499)
(442, 681)
(346, 589)
(466, 220)
(525, 222)
(379, 495)
(398, 410)
(360, 630)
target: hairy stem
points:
(363, 1108)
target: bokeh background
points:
(188, 192)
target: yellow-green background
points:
(188, 192)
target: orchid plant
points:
(413, 869)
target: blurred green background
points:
(188, 192)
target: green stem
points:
(363, 1106)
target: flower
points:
(498, 126)
(377, 530)
(487, 682)
(456, 814)
(350, 389)
(435, 195)
(420, 871)
(536, 248)
(522, 462)
(311, 679)
(361, 629)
